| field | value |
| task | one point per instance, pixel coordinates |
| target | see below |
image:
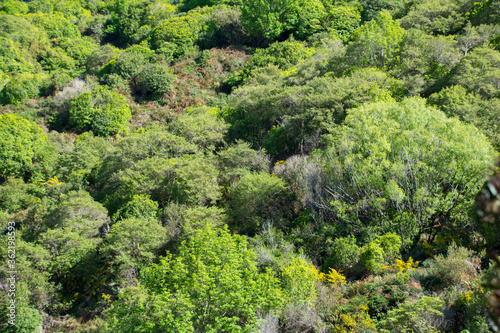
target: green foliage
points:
(271, 20)
(12, 59)
(282, 54)
(133, 242)
(20, 88)
(99, 57)
(200, 126)
(456, 101)
(239, 159)
(154, 81)
(157, 12)
(484, 12)
(402, 141)
(436, 17)
(126, 64)
(24, 149)
(55, 25)
(216, 280)
(478, 72)
(420, 316)
(140, 207)
(298, 281)
(471, 307)
(301, 112)
(459, 266)
(101, 111)
(255, 200)
(13, 7)
(344, 253)
(189, 179)
(378, 252)
(342, 21)
(56, 60)
(78, 211)
(75, 165)
(33, 289)
(425, 61)
(126, 17)
(376, 43)
(184, 221)
(180, 30)
(73, 261)
(76, 14)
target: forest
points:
(255, 166)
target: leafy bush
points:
(24, 149)
(344, 253)
(267, 20)
(213, 284)
(255, 199)
(20, 88)
(101, 111)
(154, 81)
(140, 207)
(423, 316)
(459, 266)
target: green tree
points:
(274, 19)
(479, 72)
(55, 25)
(425, 61)
(78, 211)
(133, 242)
(101, 111)
(437, 17)
(24, 149)
(214, 279)
(342, 21)
(401, 167)
(201, 126)
(456, 101)
(76, 164)
(376, 43)
(256, 199)
(418, 317)
(153, 81)
(20, 88)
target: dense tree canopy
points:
(248, 165)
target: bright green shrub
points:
(101, 111)
(180, 30)
(79, 49)
(13, 7)
(282, 54)
(419, 316)
(127, 64)
(153, 81)
(213, 283)
(55, 25)
(140, 207)
(24, 149)
(270, 20)
(344, 253)
(343, 20)
(376, 43)
(20, 88)
(255, 199)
